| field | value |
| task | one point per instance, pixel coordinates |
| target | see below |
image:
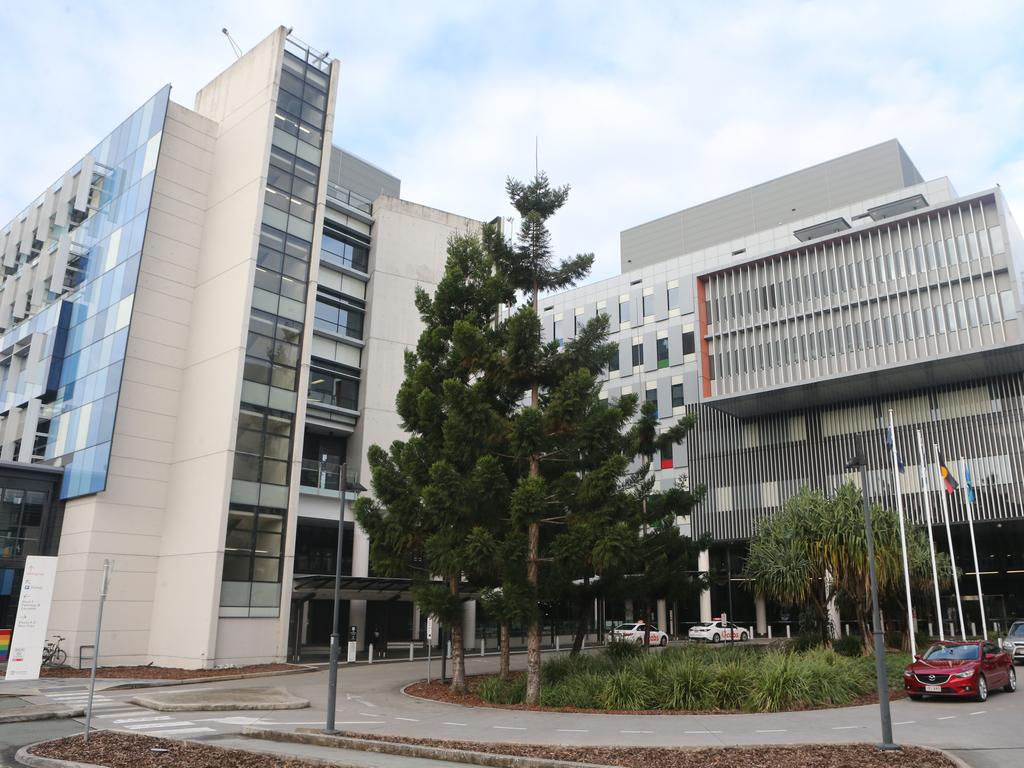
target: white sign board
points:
(430, 629)
(26, 654)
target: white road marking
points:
(151, 726)
(150, 719)
(238, 720)
(183, 731)
(772, 730)
(982, 712)
(509, 727)
(453, 724)
(360, 722)
(407, 719)
(367, 714)
(701, 732)
(947, 717)
(844, 727)
(572, 730)
(636, 731)
(905, 722)
(118, 714)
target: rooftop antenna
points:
(234, 45)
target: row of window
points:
(744, 295)
(800, 345)
(333, 387)
(346, 253)
(338, 316)
(661, 350)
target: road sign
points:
(430, 629)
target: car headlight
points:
(965, 674)
(907, 673)
(1008, 646)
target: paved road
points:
(371, 701)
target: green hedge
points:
(699, 678)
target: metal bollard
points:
(369, 655)
(584, 644)
(483, 645)
(930, 628)
(951, 630)
(974, 630)
(411, 646)
(557, 643)
(750, 631)
(769, 631)
(787, 632)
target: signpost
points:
(26, 653)
(430, 642)
(108, 565)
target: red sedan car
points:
(960, 669)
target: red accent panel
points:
(666, 463)
(702, 327)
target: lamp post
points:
(332, 670)
(882, 679)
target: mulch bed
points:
(122, 750)
(119, 750)
(164, 673)
(438, 691)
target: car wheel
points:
(982, 694)
(916, 696)
(717, 638)
(664, 641)
(1011, 683)
(743, 637)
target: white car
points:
(717, 631)
(634, 633)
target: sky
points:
(644, 108)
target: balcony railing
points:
(349, 198)
(325, 477)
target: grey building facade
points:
(792, 316)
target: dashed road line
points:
(462, 724)
(844, 727)
(700, 732)
(905, 722)
(772, 730)
(407, 719)
(360, 722)
(947, 717)
(636, 731)
(367, 714)
(982, 712)
(509, 727)
(573, 730)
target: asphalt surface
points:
(370, 700)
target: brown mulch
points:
(438, 691)
(122, 750)
(796, 756)
(119, 750)
(165, 673)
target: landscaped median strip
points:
(562, 756)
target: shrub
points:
(686, 684)
(621, 650)
(806, 641)
(582, 690)
(848, 645)
(498, 691)
(625, 689)
(558, 668)
(779, 681)
(732, 685)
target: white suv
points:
(717, 631)
(634, 633)
(1013, 643)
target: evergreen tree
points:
(435, 492)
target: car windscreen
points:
(1017, 630)
(952, 653)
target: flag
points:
(947, 476)
(890, 445)
(970, 483)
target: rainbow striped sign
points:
(5, 643)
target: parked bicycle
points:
(53, 654)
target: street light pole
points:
(332, 673)
(882, 678)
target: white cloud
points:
(643, 108)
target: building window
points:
(334, 250)
(673, 298)
(648, 306)
(688, 343)
(613, 364)
(662, 348)
(336, 316)
(651, 396)
(334, 387)
(666, 457)
(559, 331)
(623, 311)
(638, 354)
(677, 396)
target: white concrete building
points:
(188, 330)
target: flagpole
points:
(903, 537)
(974, 547)
(928, 525)
(949, 538)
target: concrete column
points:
(357, 616)
(629, 610)
(704, 566)
(360, 567)
(761, 613)
(662, 616)
(469, 624)
(415, 622)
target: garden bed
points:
(689, 679)
(122, 750)
(167, 673)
